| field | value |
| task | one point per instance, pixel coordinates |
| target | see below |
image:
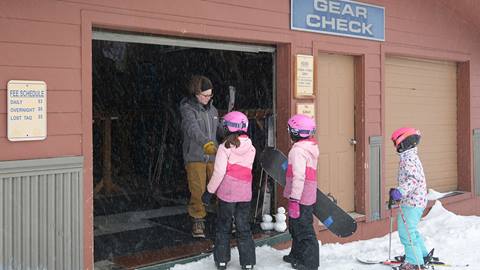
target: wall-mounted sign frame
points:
(304, 74)
(306, 108)
(338, 17)
(26, 110)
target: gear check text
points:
(355, 24)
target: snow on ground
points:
(456, 240)
(435, 195)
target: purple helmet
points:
(301, 126)
(235, 121)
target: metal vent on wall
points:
(375, 177)
(476, 160)
(41, 214)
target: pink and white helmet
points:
(301, 125)
(235, 121)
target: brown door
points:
(335, 122)
(423, 94)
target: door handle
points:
(353, 141)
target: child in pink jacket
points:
(232, 183)
(301, 192)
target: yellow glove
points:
(209, 148)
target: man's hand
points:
(210, 148)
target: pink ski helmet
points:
(301, 125)
(405, 138)
(235, 121)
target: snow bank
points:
(435, 195)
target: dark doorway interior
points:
(140, 183)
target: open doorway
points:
(140, 186)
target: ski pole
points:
(258, 195)
(390, 203)
(264, 193)
(409, 237)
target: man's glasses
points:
(206, 96)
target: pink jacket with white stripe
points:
(232, 173)
(301, 175)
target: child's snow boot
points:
(290, 259)
(302, 267)
(427, 259)
(221, 265)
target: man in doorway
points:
(199, 127)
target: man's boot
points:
(198, 228)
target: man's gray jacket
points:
(199, 126)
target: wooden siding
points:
(43, 42)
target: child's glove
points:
(207, 197)
(395, 194)
(293, 208)
(209, 148)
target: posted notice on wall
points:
(26, 110)
(304, 76)
(306, 109)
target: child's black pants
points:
(304, 242)
(246, 246)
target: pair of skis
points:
(394, 264)
(430, 260)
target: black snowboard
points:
(333, 217)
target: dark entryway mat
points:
(183, 224)
(170, 232)
(131, 242)
(183, 249)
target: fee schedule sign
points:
(339, 17)
(26, 110)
